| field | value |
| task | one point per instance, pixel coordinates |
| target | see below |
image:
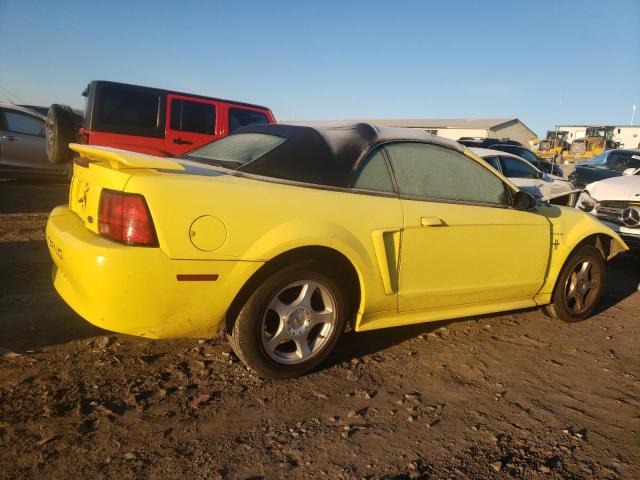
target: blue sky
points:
(339, 59)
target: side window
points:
(22, 123)
(428, 171)
(129, 108)
(516, 169)
(194, 117)
(239, 117)
(373, 174)
(493, 161)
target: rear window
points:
(194, 117)
(236, 150)
(129, 107)
(239, 117)
(519, 151)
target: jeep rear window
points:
(239, 117)
(236, 150)
(129, 107)
(194, 117)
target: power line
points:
(12, 94)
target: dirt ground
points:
(516, 395)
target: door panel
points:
(22, 142)
(455, 254)
(20, 150)
(461, 242)
(135, 143)
(191, 123)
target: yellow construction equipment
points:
(553, 147)
(597, 139)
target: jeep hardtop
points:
(146, 120)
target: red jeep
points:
(147, 120)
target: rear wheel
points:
(580, 286)
(291, 322)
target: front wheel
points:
(291, 322)
(579, 287)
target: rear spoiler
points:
(119, 159)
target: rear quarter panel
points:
(264, 219)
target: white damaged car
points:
(616, 202)
(543, 186)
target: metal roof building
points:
(454, 128)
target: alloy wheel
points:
(298, 322)
(583, 286)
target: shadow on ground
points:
(31, 196)
(33, 314)
(36, 317)
(623, 280)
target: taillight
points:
(84, 136)
(125, 218)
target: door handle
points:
(10, 138)
(432, 222)
(180, 141)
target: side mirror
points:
(523, 201)
(631, 171)
(539, 175)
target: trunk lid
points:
(107, 168)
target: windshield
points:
(235, 150)
(599, 161)
(620, 161)
(606, 132)
(553, 134)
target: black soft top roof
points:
(327, 153)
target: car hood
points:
(548, 187)
(626, 187)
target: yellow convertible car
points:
(286, 235)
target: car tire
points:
(300, 304)
(60, 132)
(579, 286)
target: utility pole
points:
(559, 110)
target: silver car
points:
(22, 143)
(543, 186)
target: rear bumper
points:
(135, 290)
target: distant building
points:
(627, 136)
(455, 128)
